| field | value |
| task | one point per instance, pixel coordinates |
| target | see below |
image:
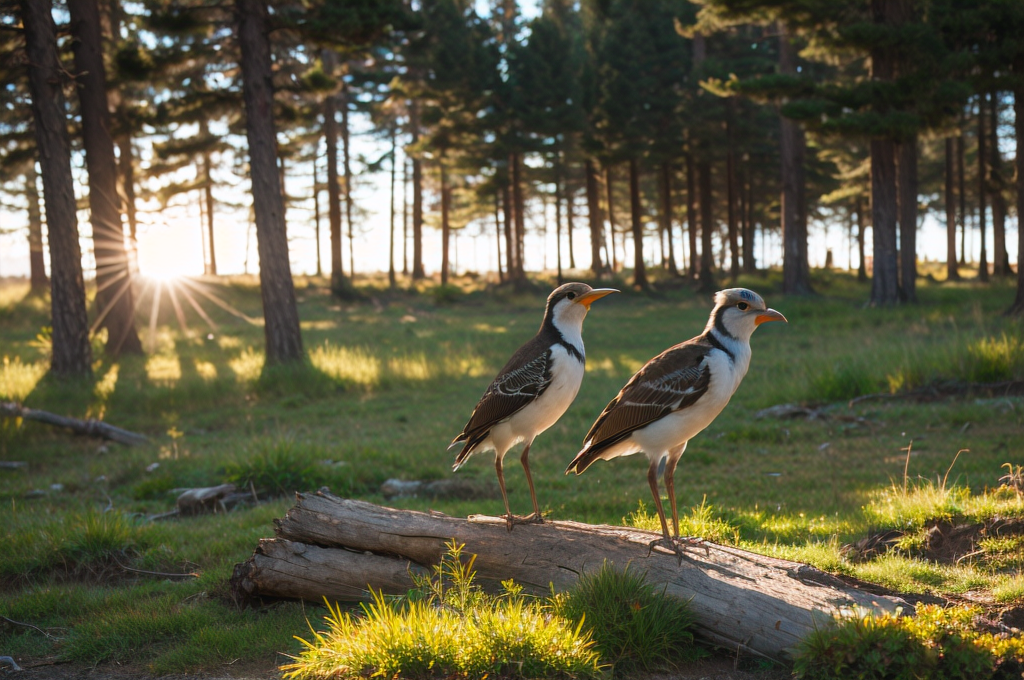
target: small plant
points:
(446, 294)
(936, 643)
(278, 469)
(447, 627)
(993, 359)
(701, 523)
(635, 626)
(841, 382)
(1014, 477)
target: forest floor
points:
(393, 377)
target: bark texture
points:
(793, 141)
(1018, 108)
(907, 189)
(281, 318)
(982, 190)
(328, 546)
(884, 282)
(596, 220)
(114, 295)
(952, 271)
(71, 354)
(36, 262)
(636, 221)
(707, 225)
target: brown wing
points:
(517, 385)
(669, 382)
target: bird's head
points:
(738, 311)
(569, 303)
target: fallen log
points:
(91, 427)
(334, 547)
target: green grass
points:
(391, 379)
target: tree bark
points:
(506, 207)
(907, 199)
(349, 201)
(665, 186)
(982, 190)
(417, 197)
(691, 214)
(519, 215)
(281, 318)
(338, 283)
(71, 353)
(208, 193)
(609, 192)
(114, 295)
(884, 282)
(636, 215)
(570, 219)
(1018, 109)
(497, 234)
(316, 212)
(89, 428)
(952, 272)
(706, 277)
(336, 548)
(392, 280)
(1000, 257)
(731, 195)
(793, 140)
(862, 223)
(962, 194)
(596, 220)
(558, 222)
(445, 228)
(126, 168)
(38, 280)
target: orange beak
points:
(768, 315)
(588, 298)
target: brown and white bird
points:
(677, 394)
(534, 388)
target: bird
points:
(677, 394)
(533, 390)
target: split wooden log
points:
(334, 547)
(91, 427)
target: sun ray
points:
(154, 314)
(219, 302)
(177, 309)
(199, 310)
(125, 285)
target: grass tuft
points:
(635, 626)
(700, 523)
(448, 628)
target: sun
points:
(170, 251)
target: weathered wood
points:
(91, 427)
(741, 600)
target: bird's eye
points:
(571, 296)
(742, 306)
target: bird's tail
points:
(584, 459)
(471, 444)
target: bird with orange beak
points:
(533, 390)
(677, 394)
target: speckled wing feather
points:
(521, 381)
(671, 381)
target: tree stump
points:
(337, 548)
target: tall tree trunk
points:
(208, 192)
(1000, 258)
(445, 228)
(609, 192)
(691, 214)
(507, 210)
(316, 213)
(747, 210)
(558, 221)
(907, 199)
(417, 197)
(126, 169)
(795, 267)
(884, 282)
(961, 179)
(114, 295)
(952, 272)
(339, 285)
(392, 280)
(405, 216)
(595, 218)
(36, 262)
(707, 227)
(862, 225)
(280, 314)
(346, 156)
(636, 215)
(71, 353)
(665, 185)
(1018, 109)
(497, 234)
(519, 210)
(730, 194)
(982, 189)
(570, 220)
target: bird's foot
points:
(677, 545)
(512, 520)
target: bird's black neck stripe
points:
(551, 330)
(720, 324)
(717, 344)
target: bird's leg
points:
(670, 487)
(652, 479)
(504, 495)
(536, 517)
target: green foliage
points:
(446, 294)
(447, 628)
(635, 626)
(701, 522)
(841, 382)
(936, 643)
(279, 468)
(995, 359)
